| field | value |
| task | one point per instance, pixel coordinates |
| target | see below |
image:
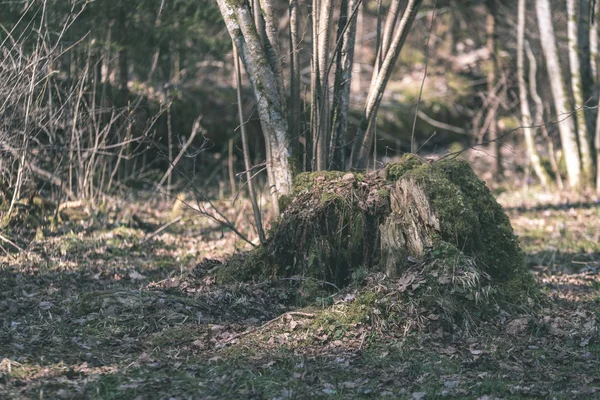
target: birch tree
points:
(343, 78)
(566, 126)
(253, 26)
(526, 120)
(364, 135)
(596, 75)
(577, 61)
(262, 62)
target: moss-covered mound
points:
(340, 225)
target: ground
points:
(102, 309)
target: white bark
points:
(526, 119)
(575, 55)
(597, 146)
(364, 135)
(390, 24)
(343, 79)
(594, 60)
(557, 85)
(538, 120)
(321, 131)
(246, 150)
(294, 104)
(594, 40)
(242, 29)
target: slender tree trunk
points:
(526, 120)
(493, 136)
(343, 79)
(272, 45)
(314, 85)
(557, 85)
(594, 60)
(597, 146)
(266, 84)
(577, 61)
(390, 24)
(585, 61)
(594, 40)
(294, 103)
(364, 135)
(259, 24)
(246, 150)
(321, 22)
(539, 114)
(122, 68)
(357, 88)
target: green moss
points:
(470, 217)
(306, 180)
(244, 267)
(332, 232)
(284, 201)
(336, 318)
(407, 162)
(328, 197)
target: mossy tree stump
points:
(336, 224)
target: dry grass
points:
(92, 312)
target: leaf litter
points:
(92, 312)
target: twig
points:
(197, 128)
(439, 124)
(162, 228)
(6, 240)
(246, 150)
(362, 341)
(413, 148)
(253, 329)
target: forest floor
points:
(99, 309)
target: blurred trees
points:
(119, 71)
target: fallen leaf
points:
(46, 305)
(517, 326)
(136, 276)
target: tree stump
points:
(335, 224)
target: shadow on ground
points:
(105, 316)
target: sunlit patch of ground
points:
(102, 311)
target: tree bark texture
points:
(266, 82)
(364, 135)
(566, 125)
(526, 120)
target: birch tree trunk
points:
(594, 40)
(594, 61)
(315, 89)
(575, 57)
(585, 61)
(341, 88)
(364, 135)
(566, 126)
(538, 120)
(246, 151)
(321, 22)
(526, 119)
(265, 77)
(294, 104)
(390, 24)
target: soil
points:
(95, 309)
